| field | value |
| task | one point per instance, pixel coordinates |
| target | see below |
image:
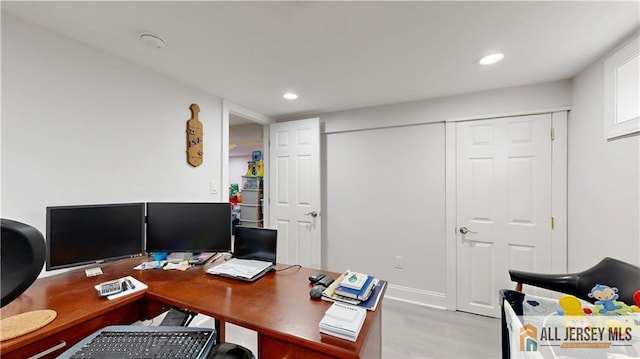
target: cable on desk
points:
(289, 267)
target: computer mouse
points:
(316, 291)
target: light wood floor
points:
(414, 331)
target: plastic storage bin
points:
(251, 182)
(251, 212)
(251, 196)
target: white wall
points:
(501, 102)
(604, 179)
(238, 168)
(386, 198)
(384, 185)
(80, 126)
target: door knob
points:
(313, 214)
(465, 230)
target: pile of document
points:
(240, 268)
(343, 321)
(355, 288)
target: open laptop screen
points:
(255, 243)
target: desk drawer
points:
(273, 348)
(153, 308)
(56, 344)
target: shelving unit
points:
(251, 206)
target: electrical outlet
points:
(399, 262)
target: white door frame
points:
(227, 108)
(559, 195)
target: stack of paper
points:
(245, 268)
(343, 321)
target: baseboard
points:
(416, 296)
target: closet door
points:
(504, 206)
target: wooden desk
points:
(276, 306)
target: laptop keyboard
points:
(145, 344)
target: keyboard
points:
(125, 342)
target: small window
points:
(622, 92)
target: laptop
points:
(254, 254)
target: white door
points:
(294, 190)
(503, 206)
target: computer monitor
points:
(188, 227)
(255, 243)
(85, 234)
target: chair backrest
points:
(21, 258)
(609, 271)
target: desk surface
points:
(276, 306)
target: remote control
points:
(325, 281)
(112, 287)
(316, 277)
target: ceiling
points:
(347, 54)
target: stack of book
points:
(355, 288)
(343, 321)
(355, 285)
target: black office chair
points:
(609, 271)
(21, 258)
(230, 351)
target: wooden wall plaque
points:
(194, 137)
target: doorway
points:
(246, 144)
(243, 132)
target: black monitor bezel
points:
(162, 249)
(97, 259)
(257, 233)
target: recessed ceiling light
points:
(491, 59)
(154, 41)
(290, 96)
